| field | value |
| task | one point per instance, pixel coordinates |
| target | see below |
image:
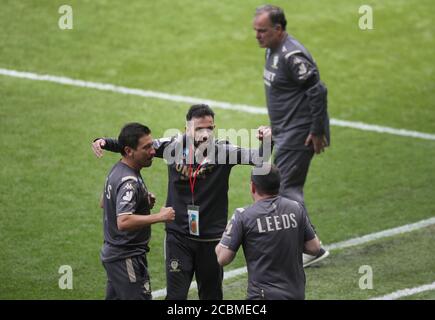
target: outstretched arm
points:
(256, 157)
(101, 144)
(112, 144)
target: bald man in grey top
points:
(274, 232)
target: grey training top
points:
(124, 192)
(272, 232)
(211, 188)
(296, 98)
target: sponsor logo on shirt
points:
(128, 196)
(269, 76)
(275, 62)
(185, 171)
(128, 186)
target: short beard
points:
(201, 143)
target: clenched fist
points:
(167, 214)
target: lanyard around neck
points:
(193, 174)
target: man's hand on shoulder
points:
(97, 147)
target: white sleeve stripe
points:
(167, 139)
(129, 178)
(240, 210)
(292, 53)
(224, 246)
(123, 213)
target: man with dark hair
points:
(199, 168)
(127, 218)
(199, 111)
(130, 135)
(273, 232)
(296, 102)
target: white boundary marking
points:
(253, 110)
(381, 234)
(335, 246)
(406, 292)
(193, 100)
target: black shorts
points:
(186, 257)
(128, 279)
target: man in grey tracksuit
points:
(296, 102)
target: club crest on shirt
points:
(174, 265)
(128, 196)
(302, 68)
(275, 62)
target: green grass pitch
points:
(365, 182)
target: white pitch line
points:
(406, 292)
(243, 108)
(381, 129)
(334, 246)
(193, 100)
(227, 275)
(381, 234)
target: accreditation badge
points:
(193, 214)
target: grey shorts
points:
(128, 279)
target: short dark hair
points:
(276, 14)
(199, 111)
(130, 135)
(267, 184)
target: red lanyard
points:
(192, 177)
